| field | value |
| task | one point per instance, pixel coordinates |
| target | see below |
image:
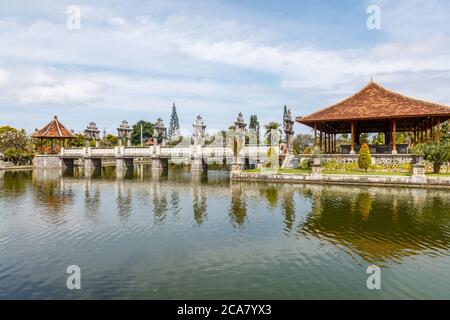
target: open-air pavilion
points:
(53, 131)
(375, 109)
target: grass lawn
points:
(438, 174)
(368, 173)
(281, 171)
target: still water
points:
(169, 236)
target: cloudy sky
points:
(132, 59)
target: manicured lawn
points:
(438, 174)
(368, 173)
(281, 171)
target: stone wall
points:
(47, 161)
(407, 181)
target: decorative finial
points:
(55, 117)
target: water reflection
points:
(381, 224)
(238, 207)
(377, 224)
(199, 204)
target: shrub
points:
(364, 157)
(437, 153)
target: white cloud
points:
(143, 60)
(68, 93)
(3, 77)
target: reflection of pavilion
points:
(379, 226)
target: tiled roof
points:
(53, 130)
(376, 102)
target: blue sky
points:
(131, 60)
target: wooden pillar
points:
(352, 149)
(394, 136)
(315, 134)
(438, 130)
(432, 130)
(421, 133)
(321, 140)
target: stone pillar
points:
(159, 132)
(124, 163)
(316, 169)
(159, 163)
(289, 133)
(240, 129)
(92, 163)
(418, 175)
(198, 163)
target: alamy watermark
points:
(74, 17)
(73, 281)
(374, 280)
(374, 19)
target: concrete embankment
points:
(349, 179)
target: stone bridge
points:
(198, 156)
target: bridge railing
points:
(213, 153)
(137, 151)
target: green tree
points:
(15, 145)
(147, 131)
(110, 140)
(364, 157)
(364, 138)
(78, 141)
(436, 153)
(378, 138)
(174, 126)
(302, 141)
(254, 125)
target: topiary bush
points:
(364, 157)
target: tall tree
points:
(174, 127)
(254, 124)
(15, 144)
(147, 131)
(284, 115)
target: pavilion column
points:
(438, 130)
(321, 140)
(334, 143)
(432, 130)
(421, 133)
(394, 136)
(315, 134)
(353, 125)
(328, 143)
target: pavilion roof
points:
(54, 129)
(376, 102)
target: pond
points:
(173, 236)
